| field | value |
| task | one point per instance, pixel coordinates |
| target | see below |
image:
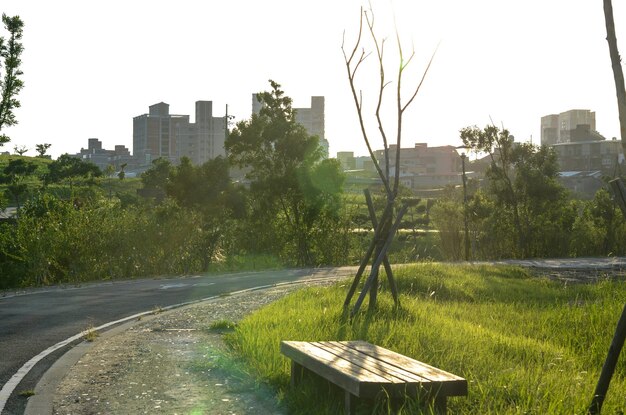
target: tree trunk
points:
(618, 74)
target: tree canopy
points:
(522, 182)
(69, 168)
(10, 84)
(289, 181)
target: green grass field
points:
(525, 344)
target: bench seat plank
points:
(374, 364)
(453, 385)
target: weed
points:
(91, 335)
(222, 325)
(26, 393)
(157, 310)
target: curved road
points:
(36, 320)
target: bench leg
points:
(297, 371)
(441, 405)
(350, 403)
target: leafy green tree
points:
(203, 187)
(10, 83)
(208, 191)
(522, 180)
(42, 149)
(122, 173)
(155, 179)
(14, 175)
(291, 188)
(70, 169)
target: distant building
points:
(364, 163)
(346, 158)
(94, 153)
(579, 147)
(203, 140)
(569, 126)
(584, 184)
(161, 134)
(422, 166)
(311, 118)
(603, 155)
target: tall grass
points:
(525, 344)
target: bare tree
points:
(20, 150)
(386, 227)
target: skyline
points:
(89, 69)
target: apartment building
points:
(161, 134)
(579, 147)
(422, 166)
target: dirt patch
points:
(580, 275)
(170, 365)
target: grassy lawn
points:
(526, 345)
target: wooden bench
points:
(364, 370)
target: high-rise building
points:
(569, 126)
(311, 118)
(204, 139)
(155, 134)
(161, 134)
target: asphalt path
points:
(33, 321)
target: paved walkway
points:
(611, 263)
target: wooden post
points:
(376, 265)
(609, 366)
(387, 265)
(619, 191)
(366, 258)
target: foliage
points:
(599, 228)
(522, 199)
(525, 344)
(57, 241)
(293, 192)
(155, 179)
(10, 84)
(15, 175)
(71, 169)
(42, 149)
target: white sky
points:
(90, 67)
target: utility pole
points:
(467, 243)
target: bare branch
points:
(380, 51)
(358, 99)
(422, 80)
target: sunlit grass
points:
(525, 344)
